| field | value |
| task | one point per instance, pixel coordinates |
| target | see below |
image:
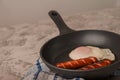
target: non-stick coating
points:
(58, 48)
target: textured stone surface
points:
(20, 44)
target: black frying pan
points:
(58, 48)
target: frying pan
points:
(58, 48)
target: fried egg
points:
(88, 51)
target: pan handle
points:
(63, 28)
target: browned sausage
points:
(97, 64)
(73, 64)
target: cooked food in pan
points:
(84, 63)
(88, 57)
(73, 64)
(87, 51)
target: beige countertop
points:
(20, 44)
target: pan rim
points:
(84, 30)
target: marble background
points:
(20, 44)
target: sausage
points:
(73, 64)
(99, 64)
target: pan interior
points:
(57, 49)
